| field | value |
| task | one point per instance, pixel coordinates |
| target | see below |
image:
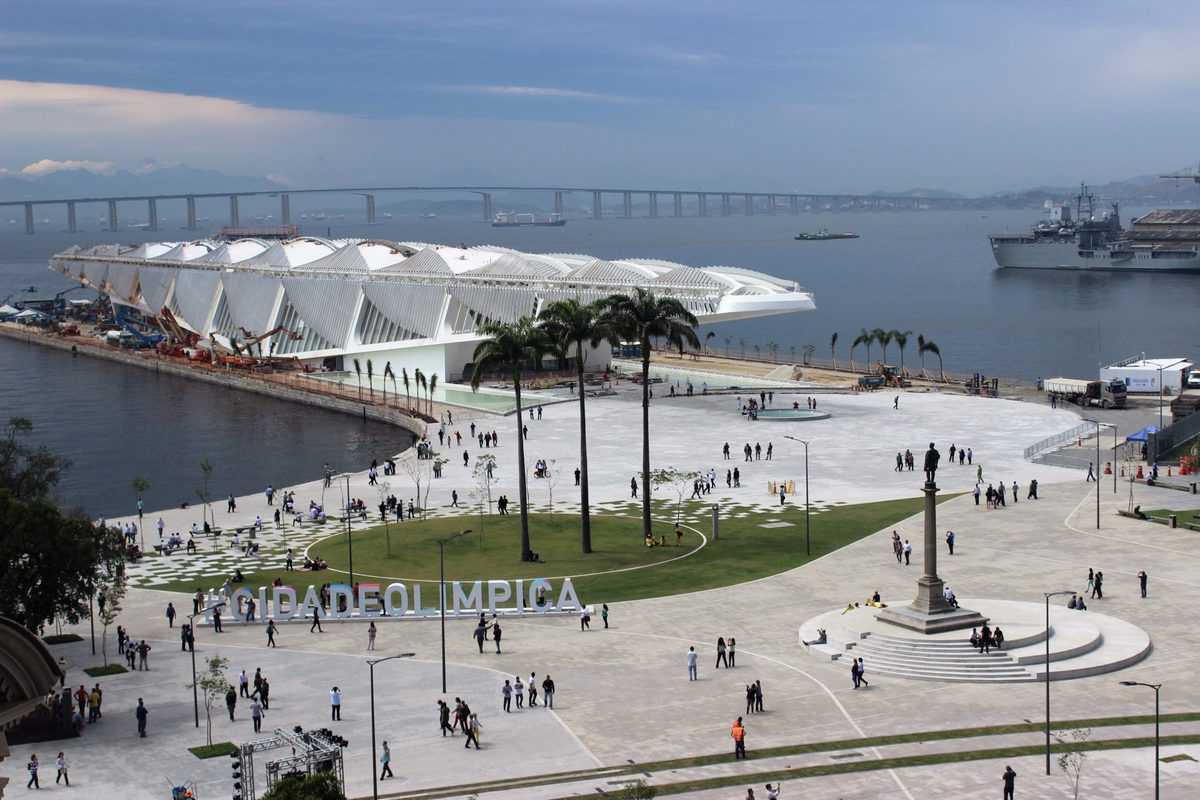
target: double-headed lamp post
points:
(442, 593)
(192, 647)
(1097, 423)
(371, 663)
(807, 537)
(1047, 678)
(1155, 687)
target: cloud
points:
(48, 166)
(151, 165)
(688, 57)
(550, 92)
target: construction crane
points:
(1183, 176)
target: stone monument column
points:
(929, 612)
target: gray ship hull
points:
(1023, 253)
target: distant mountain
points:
(165, 180)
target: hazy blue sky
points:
(853, 96)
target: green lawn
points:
(101, 671)
(745, 550)
(213, 750)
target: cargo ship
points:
(823, 235)
(514, 220)
(1164, 240)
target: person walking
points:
(907, 552)
(1010, 782)
(721, 659)
(633, 486)
(506, 692)
(691, 664)
(335, 704)
(371, 632)
(243, 684)
(386, 760)
(143, 651)
(862, 673)
(170, 615)
(950, 541)
(316, 622)
(231, 698)
(271, 631)
(256, 715)
(1091, 476)
(1143, 579)
(738, 732)
(143, 714)
(444, 717)
(480, 633)
(976, 494)
(1098, 586)
(604, 613)
(60, 764)
(548, 692)
(473, 729)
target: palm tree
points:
(358, 371)
(728, 342)
(509, 347)
(707, 337)
(371, 379)
(921, 351)
(407, 392)
(901, 338)
(931, 347)
(640, 316)
(432, 385)
(570, 323)
(862, 338)
(833, 349)
(419, 380)
(884, 338)
(387, 373)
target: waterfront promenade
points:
(652, 712)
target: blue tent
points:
(1142, 435)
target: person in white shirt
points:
(335, 703)
(691, 664)
(773, 792)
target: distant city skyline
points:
(785, 97)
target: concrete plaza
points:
(623, 695)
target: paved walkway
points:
(623, 693)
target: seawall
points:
(280, 387)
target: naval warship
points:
(1165, 240)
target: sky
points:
(792, 96)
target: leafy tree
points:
(206, 471)
(112, 590)
(320, 786)
(213, 685)
(140, 486)
(641, 316)
(509, 347)
(1072, 760)
(638, 790)
(384, 488)
(28, 473)
(571, 323)
(679, 481)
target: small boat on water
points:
(823, 235)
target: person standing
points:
(496, 636)
(335, 704)
(721, 659)
(907, 552)
(976, 494)
(758, 696)
(1098, 587)
(950, 541)
(480, 634)
(143, 714)
(691, 664)
(519, 688)
(386, 760)
(633, 487)
(60, 764)
(506, 691)
(243, 684)
(170, 615)
(1010, 782)
(371, 631)
(548, 692)
(1143, 579)
(256, 715)
(533, 690)
(738, 732)
(271, 631)
(731, 652)
(604, 613)
(143, 651)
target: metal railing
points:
(1058, 439)
(1170, 437)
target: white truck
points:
(1105, 394)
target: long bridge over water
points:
(658, 201)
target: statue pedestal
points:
(929, 612)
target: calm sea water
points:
(928, 272)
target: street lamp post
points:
(1114, 461)
(371, 663)
(1048, 596)
(349, 538)
(1096, 422)
(807, 536)
(1155, 687)
(442, 593)
(192, 648)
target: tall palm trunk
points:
(521, 487)
(585, 522)
(646, 435)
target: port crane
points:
(1183, 176)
